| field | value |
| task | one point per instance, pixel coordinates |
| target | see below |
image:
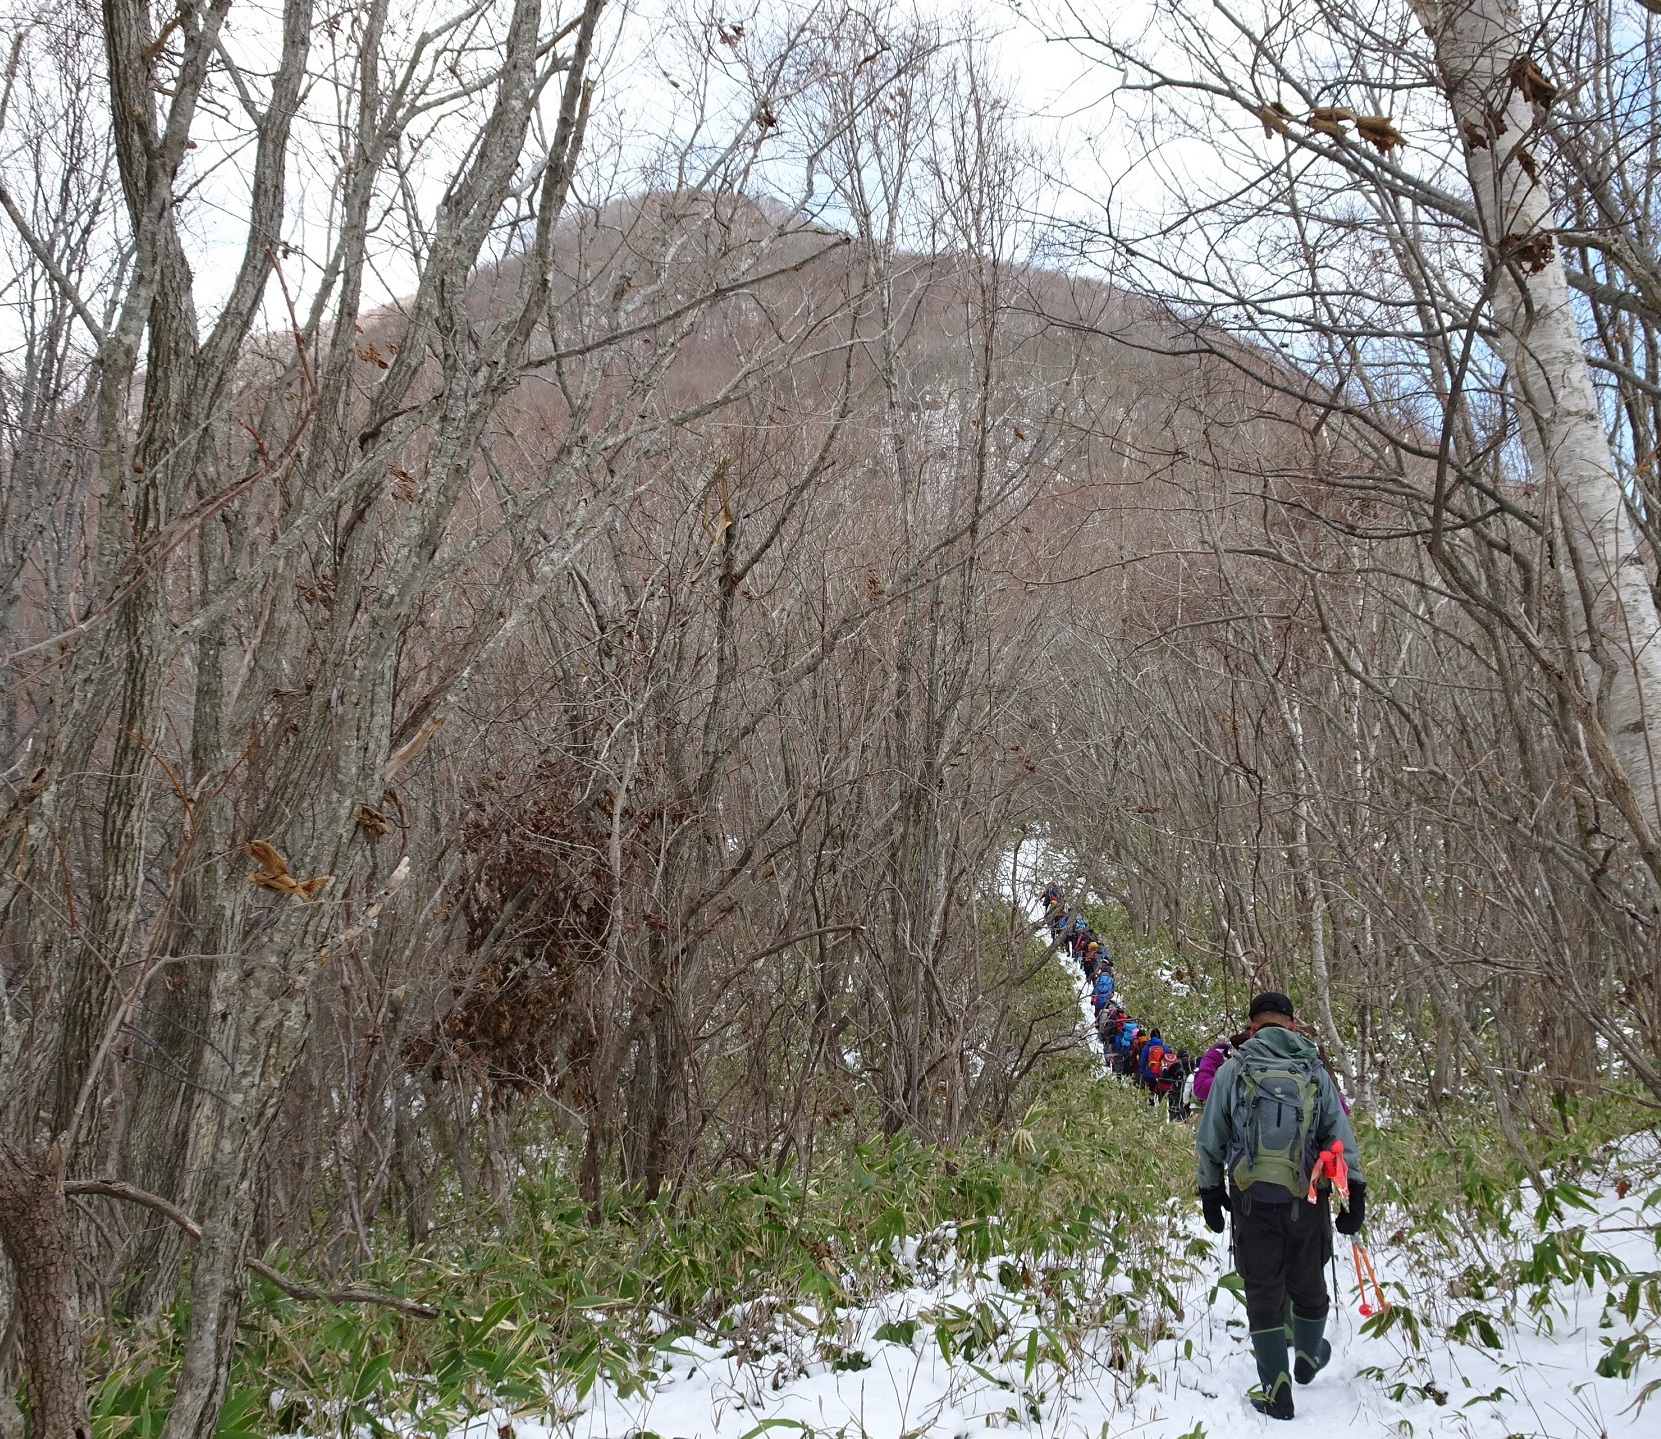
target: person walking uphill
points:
(1272, 1109)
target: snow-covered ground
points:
(882, 1370)
(1104, 1355)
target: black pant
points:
(1280, 1253)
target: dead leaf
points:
(1476, 137)
(1532, 252)
(1329, 120)
(1527, 77)
(1622, 1184)
(273, 874)
(373, 822)
(1274, 119)
(1525, 160)
(1379, 132)
(266, 856)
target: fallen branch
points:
(116, 1189)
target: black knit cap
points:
(1271, 1001)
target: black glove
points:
(1216, 1204)
(1349, 1221)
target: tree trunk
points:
(1482, 51)
(34, 1227)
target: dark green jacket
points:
(1216, 1131)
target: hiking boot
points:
(1273, 1396)
(1312, 1351)
(1280, 1406)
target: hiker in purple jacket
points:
(1210, 1062)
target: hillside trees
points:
(580, 696)
(242, 513)
(781, 701)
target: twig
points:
(116, 1189)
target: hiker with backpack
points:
(1108, 1019)
(1151, 1062)
(1173, 1085)
(1092, 961)
(1115, 1025)
(1271, 1111)
(1123, 1045)
(1141, 1042)
(1102, 990)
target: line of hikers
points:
(1276, 1159)
(1132, 1049)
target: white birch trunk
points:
(1481, 47)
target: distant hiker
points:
(1103, 990)
(1212, 1060)
(1059, 922)
(1052, 896)
(1271, 1110)
(1108, 1019)
(1173, 1084)
(1093, 960)
(1109, 1022)
(1152, 1060)
(1123, 1045)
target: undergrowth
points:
(535, 1301)
(1076, 1223)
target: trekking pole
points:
(1360, 1286)
(1359, 1252)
